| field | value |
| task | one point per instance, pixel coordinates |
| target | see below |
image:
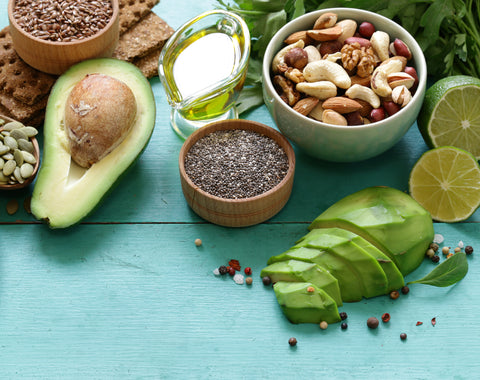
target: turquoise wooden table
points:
(128, 295)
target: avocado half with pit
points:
(99, 118)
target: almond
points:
(356, 79)
(304, 106)
(333, 117)
(328, 34)
(297, 36)
(326, 20)
(342, 104)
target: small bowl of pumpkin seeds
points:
(19, 154)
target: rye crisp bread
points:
(21, 111)
(131, 11)
(149, 64)
(149, 34)
(18, 79)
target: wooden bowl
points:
(36, 153)
(56, 57)
(237, 212)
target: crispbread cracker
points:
(131, 11)
(18, 79)
(149, 64)
(21, 111)
(148, 35)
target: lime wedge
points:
(450, 114)
(446, 182)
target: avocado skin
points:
(300, 271)
(388, 218)
(43, 197)
(302, 305)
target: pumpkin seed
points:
(9, 167)
(2, 122)
(26, 170)
(8, 156)
(3, 178)
(18, 157)
(10, 142)
(4, 149)
(2, 162)
(30, 131)
(26, 145)
(12, 206)
(28, 157)
(10, 126)
(19, 134)
(17, 175)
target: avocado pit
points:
(99, 113)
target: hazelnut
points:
(297, 58)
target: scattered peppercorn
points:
(434, 246)
(449, 255)
(222, 270)
(323, 325)
(372, 322)
(385, 317)
(457, 249)
(248, 271)
(343, 315)
(468, 250)
(446, 250)
(394, 294)
(403, 336)
(266, 280)
(344, 325)
(430, 252)
(231, 271)
(292, 341)
(436, 259)
(405, 289)
(249, 281)
(198, 242)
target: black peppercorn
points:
(343, 315)
(372, 322)
(468, 249)
(344, 325)
(222, 270)
(436, 258)
(405, 289)
(403, 336)
(266, 280)
(292, 342)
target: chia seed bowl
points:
(236, 173)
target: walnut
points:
(360, 57)
(295, 75)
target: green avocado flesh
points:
(303, 302)
(367, 241)
(64, 192)
(300, 271)
(389, 219)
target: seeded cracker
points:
(149, 64)
(148, 35)
(131, 11)
(21, 111)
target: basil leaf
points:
(447, 273)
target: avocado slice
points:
(300, 271)
(349, 282)
(64, 192)
(303, 302)
(389, 219)
(371, 279)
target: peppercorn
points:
(266, 280)
(323, 325)
(434, 246)
(343, 315)
(231, 271)
(249, 281)
(436, 259)
(248, 271)
(222, 270)
(468, 249)
(446, 250)
(457, 249)
(430, 253)
(394, 294)
(292, 341)
(449, 255)
(198, 242)
(405, 289)
(344, 325)
(385, 317)
(372, 322)
(403, 336)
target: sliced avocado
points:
(389, 219)
(303, 302)
(371, 279)
(64, 192)
(299, 271)
(349, 282)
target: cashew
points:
(326, 70)
(333, 117)
(320, 89)
(401, 95)
(334, 57)
(364, 93)
(349, 28)
(312, 53)
(394, 64)
(278, 63)
(380, 42)
(379, 83)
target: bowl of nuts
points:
(343, 84)
(53, 35)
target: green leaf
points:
(447, 273)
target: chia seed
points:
(236, 164)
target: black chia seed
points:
(236, 164)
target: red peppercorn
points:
(385, 317)
(292, 341)
(231, 271)
(403, 336)
(394, 294)
(248, 271)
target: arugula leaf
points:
(447, 273)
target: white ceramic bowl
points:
(343, 143)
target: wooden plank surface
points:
(128, 295)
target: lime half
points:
(450, 114)
(446, 182)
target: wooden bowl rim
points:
(115, 15)
(35, 168)
(243, 124)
